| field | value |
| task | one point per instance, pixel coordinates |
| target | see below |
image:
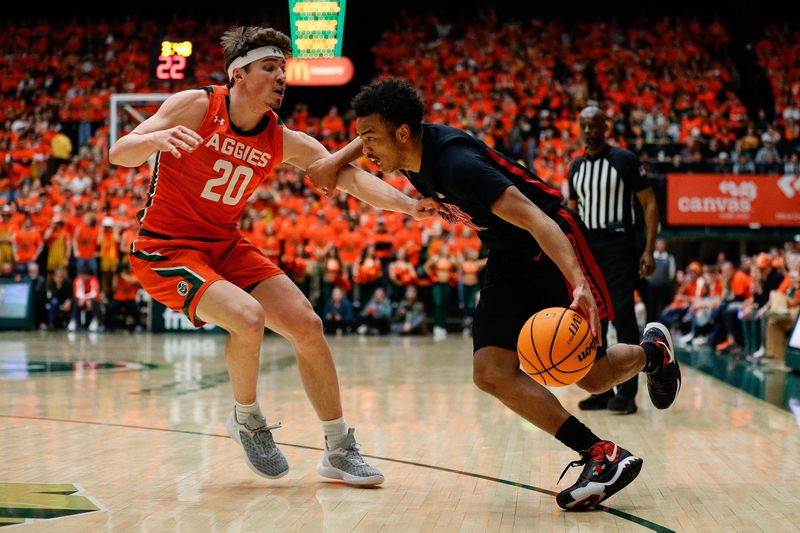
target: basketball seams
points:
(527, 361)
(541, 362)
(580, 344)
(550, 371)
(562, 371)
(555, 334)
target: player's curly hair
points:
(240, 40)
(394, 100)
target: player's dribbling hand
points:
(323, 174)
(583, 298)
(174, 140)
(425, 208)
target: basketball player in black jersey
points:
(538, 258)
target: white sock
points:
(243, 411)
(335, 431)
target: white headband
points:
(254, 55)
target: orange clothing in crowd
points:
(333, 269)
(689, 291)
(434, 246)
(368, 271)
(319, 238)
(86, 246)
(332, 124)
(127, 238)
(271, 247)
(27, 244)
(86, 289)
(470, 268)
(461, 245)
(383, 244)
(350, 245)
(7, 228)
(291, 235)
(443, 265)
(403, 273)
(741, 285)
(126, 290)
(403, 237)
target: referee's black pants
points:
(618, 257)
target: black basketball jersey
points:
(467, 177)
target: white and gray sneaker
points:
(260, 451)
(346, 464)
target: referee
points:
(602, 184)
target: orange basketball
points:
(556, 347)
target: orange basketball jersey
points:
(203, 194)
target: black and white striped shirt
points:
(604, 186)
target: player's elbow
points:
(116, 156)
(124, 154)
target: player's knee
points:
(249, 319)
(309, 326)
(594, 384)
(485, 374)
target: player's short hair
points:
(394, 100)
(238, 41)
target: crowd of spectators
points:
(747, 305)
(68, 217)
(666, 84)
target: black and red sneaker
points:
(608, 470)
(664, 383)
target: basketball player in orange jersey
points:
(214, 146)
(538, 258)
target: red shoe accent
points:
(665, 350)
(724, 345)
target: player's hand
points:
(583, 299)
(425, 208)
(646, 264)
(323, 174)
(174, 140)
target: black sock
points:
(575, 435)
(654, 357)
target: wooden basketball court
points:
(126, 433)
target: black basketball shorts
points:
(519, 283)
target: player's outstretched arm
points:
(172, 129)
(324, 173)
(302, 151)
(516, 208)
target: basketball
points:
(556, 347)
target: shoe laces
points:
(351, 449)
(262, 434)
(596, 452)
(354, 454)
(580, 462)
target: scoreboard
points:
(172, 60)
(317, 27)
